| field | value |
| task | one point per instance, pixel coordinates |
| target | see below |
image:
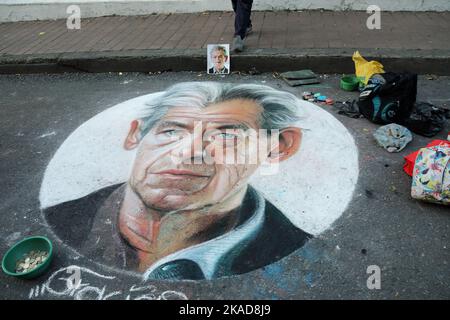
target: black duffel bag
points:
(388, 97)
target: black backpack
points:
(388, 97)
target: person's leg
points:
(249, 23)
(234, 4)
(249, 20)
(242, 20)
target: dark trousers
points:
(242, 10)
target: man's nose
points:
(197, 146)
(196, 149)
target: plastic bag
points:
(348, 108)
(393, 137)
(365, 69)
(426, 119)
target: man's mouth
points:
(183, 173)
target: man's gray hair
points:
(280, 109)
(219, 48)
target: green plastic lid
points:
(349, 82)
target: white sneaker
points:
(238, 44)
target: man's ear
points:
(134, 135)
(289, 143)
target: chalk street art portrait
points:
(218, 58)
(153, 185)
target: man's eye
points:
(171, 133)
(227, 136)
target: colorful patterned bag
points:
(431, 175)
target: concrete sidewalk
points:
(322, 40)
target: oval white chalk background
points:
(313, 188)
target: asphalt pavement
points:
(408, 240)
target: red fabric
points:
(410, 159)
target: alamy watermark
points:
(374, 280)
(374, 20)
(73, 282)
(73, 21)
(233, 146)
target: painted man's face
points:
(194, 135)
(163, 184)
(219, 59)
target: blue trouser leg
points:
(242, 9)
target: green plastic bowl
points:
(20, 249)
(349, 83)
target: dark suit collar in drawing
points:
(263, 236)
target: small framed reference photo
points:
(218, 59)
